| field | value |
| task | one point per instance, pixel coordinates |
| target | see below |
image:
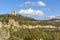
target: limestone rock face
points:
(1, 24)
(4, 35)
(13, 23)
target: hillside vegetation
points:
(13, 32)
(29, 21)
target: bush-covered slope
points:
(29, 21)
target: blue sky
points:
(38, 9)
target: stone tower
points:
(14, 12)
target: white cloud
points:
(31, 12)
(38, 3)
(41, 3)
(50, 17)
(28, 3)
